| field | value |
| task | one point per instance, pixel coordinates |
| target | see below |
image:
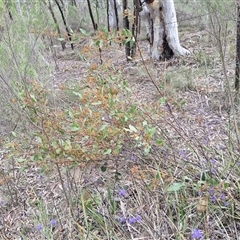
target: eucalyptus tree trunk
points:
(126, 25)
(165, 37)
(114, 10)
(135, 25)
(161, 25)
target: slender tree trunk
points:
(108, 22)
(97, 13)
(116, 14)
(126, 25)
(139, 9)
(167, 52)
(91, 15)
(135, 25)
(237, 49)
(49, 6)
(73, 2)
(65, 24)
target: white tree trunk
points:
(165, 28)
(161, 26)
(145, 17)
(112, 14)
(171, 28)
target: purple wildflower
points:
(213, 198)
(200, 193)
(122, 220)
(219, 147)
(52, 222)
(226, 204)
(182, 154)
(213, 161)
(203, 161)
(196, 234)
(167, 107)
(39, 227)
(211, 191)
(86, 181)
(40, 194)
(213, 170)
(133, 220)
(122, 193)
(222, 196)
(133, 158)
(123, 152)
(206, 140)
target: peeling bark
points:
(165, 30)
(161, 26)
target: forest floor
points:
(195, 89)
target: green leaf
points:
(67, 145)
(147, 149)
(70, 113)
(126, 32)
(107, 151)
(58, 150)
(175, 187)
(132, 109)
(54, 144)
(74, 127)
(162, 100)
(21, 160)
(132, 42)
(77, 94)
(14, 134)
(22, 169)
(132, 128)
(99, 43)
(33, 97)
(151, 131)
(226, 185)
(84, 32)
(103, 127)
(159, 142)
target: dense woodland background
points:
(96, 146)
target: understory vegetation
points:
(93, 146)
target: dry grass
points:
(188, 181)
